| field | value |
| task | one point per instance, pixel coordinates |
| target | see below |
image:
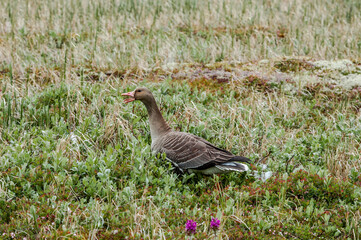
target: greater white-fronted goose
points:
(186, 151)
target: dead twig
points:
(263, 158)
(288, 161)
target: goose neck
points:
(158, 126)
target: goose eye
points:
(139, 90)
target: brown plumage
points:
(186, 151)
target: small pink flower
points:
(191, 227)
(215, 222)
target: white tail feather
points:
(233, 166)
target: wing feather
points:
(190, 151)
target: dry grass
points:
(146, 34)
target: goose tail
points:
(233, 166)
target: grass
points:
(277, 82)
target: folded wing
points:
(191, 152)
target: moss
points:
(294, 65)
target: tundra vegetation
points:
(276, 81)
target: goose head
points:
(143, 94)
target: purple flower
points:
(191, 227)
(215, 223)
